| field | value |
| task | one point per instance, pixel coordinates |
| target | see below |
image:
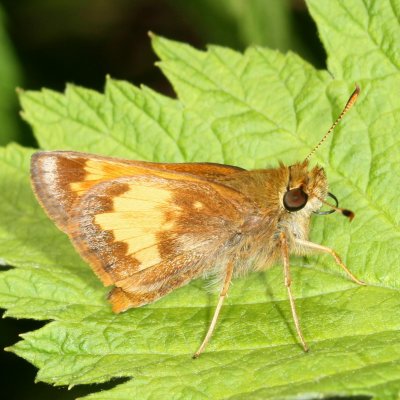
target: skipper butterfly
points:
(149, 228)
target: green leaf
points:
(252, 110)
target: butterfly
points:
(149, 228)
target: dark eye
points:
(295, 199)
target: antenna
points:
(349, 104)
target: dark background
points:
(50, 43)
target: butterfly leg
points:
(222, 295)
(315, 246)
(286, 267)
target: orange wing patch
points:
(138, 215)
(143, 233)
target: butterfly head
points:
(305, 189)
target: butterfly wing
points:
(144, 227)
(60, 178)
(149, 235)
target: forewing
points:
(149, 235)
(61, 178)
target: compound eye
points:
(295, 199)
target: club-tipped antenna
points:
(344, 211)
(347, 107)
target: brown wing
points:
(149, 234)
(60, 178)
